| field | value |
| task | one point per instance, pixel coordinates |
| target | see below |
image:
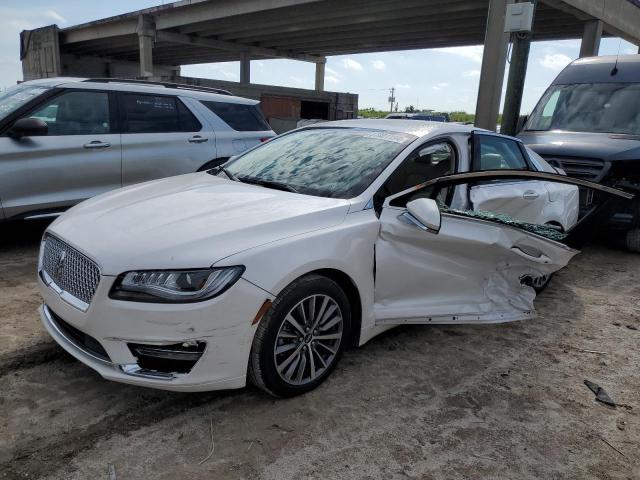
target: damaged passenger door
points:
(435, 264)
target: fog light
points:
(173, 358)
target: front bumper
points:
(224, 324)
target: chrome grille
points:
(592, 169)
(70, 270)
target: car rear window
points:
(157, 114)
(240, 117)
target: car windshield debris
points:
(547, 231)
(324, 162)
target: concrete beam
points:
(146, 37)
(620, 17)
(591, 38)
(171, 37)
(245, 68)
(493, 63)
(320, 68)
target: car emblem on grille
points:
(60, 263)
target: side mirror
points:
(29, 127)
(522, 119)
(426, 212)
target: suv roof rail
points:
(179, 86)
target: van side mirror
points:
(522, 119)
(426, 212)
(28, 127)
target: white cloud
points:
(440, 86)
(332, 79)
(378, 65)
(473, 53)
(555, 61)
(56, 16)
(351, 64)
(403, 85)
(471, 73)
(296, 79)
(331, 71)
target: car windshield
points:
(15, 97)
(589, 107)
(326, 162)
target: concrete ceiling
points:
(204, 31)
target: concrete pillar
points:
(245, 68)
(494, 59)
(146, 37)
(320, 67)
(591, 36)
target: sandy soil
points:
(502, 401)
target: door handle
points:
(97, 144)
(530, 195)
(198, 139)
(542, 258)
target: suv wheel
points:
(301, 338)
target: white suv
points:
(63, 140)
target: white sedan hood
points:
(189, 221)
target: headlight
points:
(174, 286)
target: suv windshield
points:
(326, 162)
(589, 107)
(15, 97)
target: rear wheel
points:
(301, 338)
(633, 240)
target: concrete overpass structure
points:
(154, 42)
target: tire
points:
(633, 240)
(287, 359)
(540, 283)
(212, 164)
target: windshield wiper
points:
(267, 183)
(223, 169)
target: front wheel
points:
(301, 338)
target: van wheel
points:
(633, 240)
(212, 164)
(301, 338)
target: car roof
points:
(125, 86)
(599, 69)
(419, 128)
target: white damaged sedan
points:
(268, 267)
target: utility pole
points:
(392, 99)
(515, 82)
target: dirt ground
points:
(491, 401)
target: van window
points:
(589, 107)
(157, 114)
(240, 117)
(76, 113)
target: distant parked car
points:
(266, 268)
(64, 140)
(418, 116)
(588, 124)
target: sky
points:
(438, 79)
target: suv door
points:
(78, 158)
(161, 137)
(468, 266)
